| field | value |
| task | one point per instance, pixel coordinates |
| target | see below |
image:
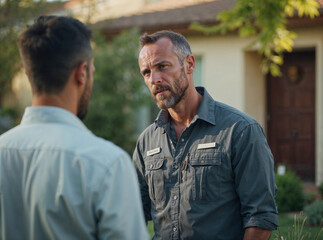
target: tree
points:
(118, 90)
(14, 15)
(266, 20)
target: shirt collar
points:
(49, 114)
(206, 111)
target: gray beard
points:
(175, 97)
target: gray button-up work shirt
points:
(214, 182)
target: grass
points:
(285, 223)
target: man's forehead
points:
(162, 47)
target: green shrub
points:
(309, 197)
(320, 188)
(314, 213)
(290, 196)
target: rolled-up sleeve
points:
(253, 166)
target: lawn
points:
(285, 223)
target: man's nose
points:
(155, 77)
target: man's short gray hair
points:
(180, 45)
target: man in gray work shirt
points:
(205, 169)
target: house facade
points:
(290, 107)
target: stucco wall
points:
(222, 67)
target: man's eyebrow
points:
(161, 62)
(154, 65)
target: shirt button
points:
(175, 197)
(174, 229)
(175, 166)
(182, 139)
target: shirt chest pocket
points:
(205, 175)
(155, 180)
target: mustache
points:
(159, 88)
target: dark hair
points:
(180, 45)
(51, 48)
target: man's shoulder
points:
(88, 145)
(224, 112)
(61, 138)
(4, 137)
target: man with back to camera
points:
(205, 169)
(57, 179)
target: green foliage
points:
(266, 20)
(320, 189)
(14, 15)
(309, 197)
(289, 196)
(8, 116)
(314, 213)
(118, 90)
(150, 228)
(297, 231)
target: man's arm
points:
(255, 178)
(253, 233)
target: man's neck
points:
(55, 101)
(184, 112)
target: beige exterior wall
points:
(232, 75)
(222, 66)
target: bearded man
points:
(205, 169)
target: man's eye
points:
(146, 73)
(162, 66)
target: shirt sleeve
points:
(118, 206)
(253, 166)
(140, 169)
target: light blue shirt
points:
(59, 181)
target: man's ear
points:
(190, 64)
(81, 74)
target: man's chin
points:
(161, 104)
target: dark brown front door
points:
(291, 114)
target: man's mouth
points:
(160, 90)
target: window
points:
(197, 74)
